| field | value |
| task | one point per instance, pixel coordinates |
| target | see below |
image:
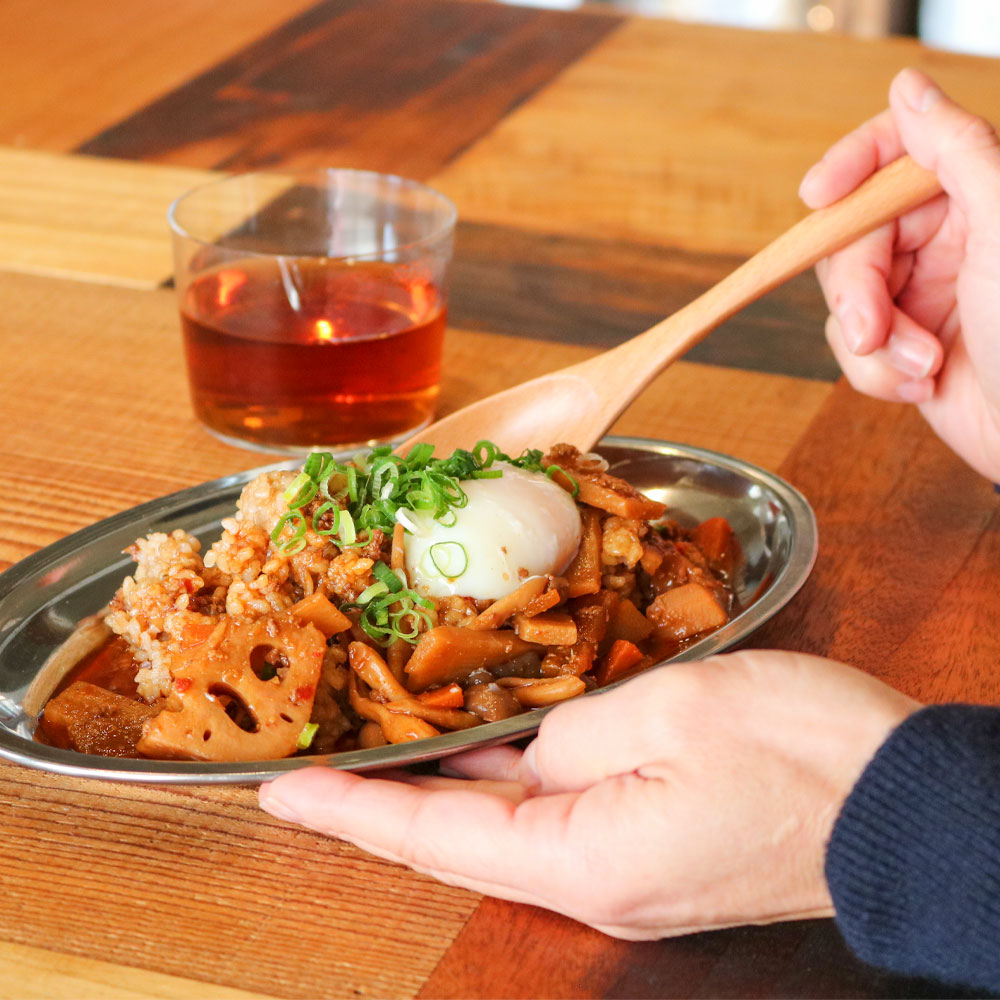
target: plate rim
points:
(39, 756)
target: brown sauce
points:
(110, 666)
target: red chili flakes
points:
(182, 684)
(303, 693)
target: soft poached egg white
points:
(517, 526)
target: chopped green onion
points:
(449, 558)
(301, 491)
(419, 455)
(346, 531)
(387, 576)
(307, 735)
(297, 542)
(551, 470)
(392, 615)
(334, 524)
(375, 590)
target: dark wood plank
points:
(393, 85)
(539, 954)
(577, 289)
(909, 545)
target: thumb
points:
(962, 149)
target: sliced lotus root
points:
(245, 697)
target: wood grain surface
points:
(36, 974)
(606, 169)
(689, 136)
(592, 290)
(71, 68)
(386, 85)
(537, 954)
(81, 217)
(909, 544)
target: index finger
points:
(467, 838)
(850, 160)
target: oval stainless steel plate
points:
(43, 597)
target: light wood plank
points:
(686, 135)
(198, 883)
(72, 68)
(38, 974)
(99, 220)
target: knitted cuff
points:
(913, 864)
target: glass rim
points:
(435, 235)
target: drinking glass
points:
(313, 305)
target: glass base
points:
(338, 450)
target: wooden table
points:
(606, 170)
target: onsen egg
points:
(519, 525)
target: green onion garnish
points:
(386, 575)
(449, 558)
(391, 615)
(370, 593)
(552, 469)
(375, 490)
(307, 735)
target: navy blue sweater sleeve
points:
(913, 864)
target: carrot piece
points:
(553, 595)
(685, 611)
(450, 653)
(552, 628)
(317, 609)
(716, 540)
(623, 656)
(584, 573)
(449, 696)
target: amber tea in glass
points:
(313, 306)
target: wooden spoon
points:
(579, 403)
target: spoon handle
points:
(624, 371)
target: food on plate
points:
(388, 599)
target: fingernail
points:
(853, 327)
(915, 392)
(917, 91)
(911, 355)
(270, 803)
(811, 174)
(529, 776)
